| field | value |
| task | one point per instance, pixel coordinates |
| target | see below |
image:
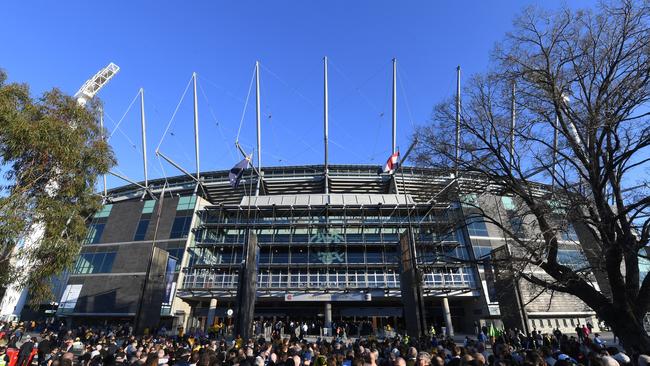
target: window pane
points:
(148, 206)
(94, 233)
(89, 263)
(107, 264)
(476, 227)
(141, 230)
(180, 227)
(104, 212)
(508, 203)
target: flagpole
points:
(326, 123)
(259, 133)
(394, 105)
(512, 125)
(196, 129)
(101, 129)
(457, 119)
(144, 137)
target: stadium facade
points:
(335, 256)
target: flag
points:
(238, 171)
(392, 162)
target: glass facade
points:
(90, 263)
(326, 248)
(94, 233)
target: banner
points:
(170, 284)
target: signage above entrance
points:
(327, 297)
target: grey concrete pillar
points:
(328, 318)
(447, 313)
(211, 310)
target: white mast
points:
(101, 134)
(394, 105)
(326, 123)
(144, 138)
(259, 132)
(457, 118)
(196, 129)
(512, 125)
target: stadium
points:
(300, 253)
(397, 247)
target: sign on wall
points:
(327, 297)
(327, 236)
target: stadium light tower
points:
(95, 83)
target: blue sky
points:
(158, 44)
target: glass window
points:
(186, 203)
(557, 207)
(355, 256)
(141, 230)
(517, 225)
(476, 227)
(105, 211)
(299, 255)
(280, 256)
(94, 233)
(481, 252)
(508, 203)
(264, 256)
(644, 266)
(177, 253)
(572, 258)
(181, 227)
(148, 206)
(569, 234)
(374, 255)
(469, 200)
(107, 263)
(89, 263)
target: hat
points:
(307, 356)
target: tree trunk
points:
(629, 330)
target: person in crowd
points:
(25, 351)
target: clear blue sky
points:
(158, 44)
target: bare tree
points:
(582, 81)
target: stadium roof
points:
(421, 185)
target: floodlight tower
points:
(15, 297)
(92, 86)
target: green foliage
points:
(51, 153)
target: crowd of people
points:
(56, 345)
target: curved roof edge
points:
(421, 183)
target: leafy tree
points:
(51, 153)
(580, 81)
